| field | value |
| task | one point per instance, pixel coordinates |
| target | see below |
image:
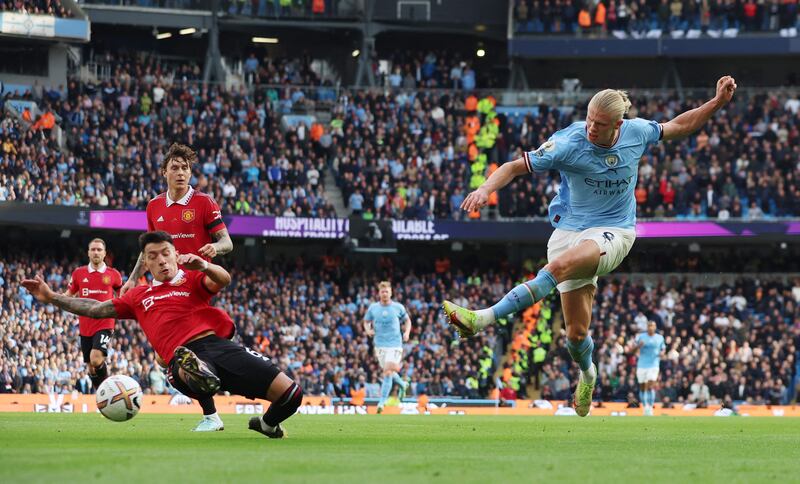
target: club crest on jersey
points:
(106, 280)
(611, 161)
(548, 146)
(187, 215)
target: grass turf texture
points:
(160, 448)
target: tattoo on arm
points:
(223, 243)
(85, 307)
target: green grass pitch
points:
(412, 449)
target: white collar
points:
(182, 201)
(101, 270)
(180, 275)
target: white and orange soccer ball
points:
(119, 398)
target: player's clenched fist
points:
(726, 86)
(475, 200)
(208, 250)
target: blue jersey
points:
(597, 184)
(649, 353)
(386, 320)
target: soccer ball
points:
(119, 398)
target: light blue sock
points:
(396, 378)
(386, 389)
(525, 295)
(582, 352)
(652, 397)
(643, 397)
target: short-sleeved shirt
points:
(190, 221)
(98, 284)
(597, 184)
(650, 352)
(386, 320)
(173, 312)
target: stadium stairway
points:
(540, 323)
(334, 194)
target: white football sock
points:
(485, 317)
(590, 375)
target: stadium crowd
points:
(724, 344)
(307, 317)
(638, 16)
(433, 69)
(36, 7)
(400, 154)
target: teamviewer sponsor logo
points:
(182, 236)
(85, 292)
(148, 302)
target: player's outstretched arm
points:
(687, 123)
(216, 277)
(75, 305)
(500, 178)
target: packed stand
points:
(724, 345)
(117, 132)
(402, 154)
(52, 8)
(405, 156)
(637, 17)
(307, 317)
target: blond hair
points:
(385, 284)
(613, 102)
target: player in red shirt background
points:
(95, 281)
(193, 219)
(174, 315)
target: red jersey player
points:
(174, 313)
(95, 281)
(193, 219)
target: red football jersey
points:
(98, 285)
(190, 221)
(171, 313)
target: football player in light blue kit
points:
(594, 214)
(651, 348)
(382, 319)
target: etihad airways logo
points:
(149, 301)
(609, 187)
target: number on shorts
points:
(104, 339)
(256, 354)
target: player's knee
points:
(97, 360)
(557, 268)
(576, 333)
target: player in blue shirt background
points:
(594, 214)
(382, 320)
(651, 348)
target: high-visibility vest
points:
(600, 14)
(584, 19)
